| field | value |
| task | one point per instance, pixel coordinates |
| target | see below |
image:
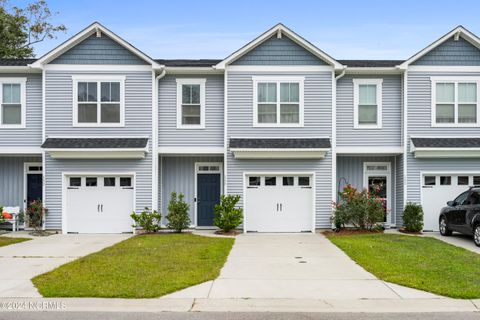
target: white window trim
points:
(23, 102)
(280, 79)
(98, 78)
(455, 81)
(180, 83)
(356, 101)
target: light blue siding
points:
(350, 171)
(212, 135)
(138, 105)
(53, 181)
(179, 176)
(391, 132)
(274, 51)
(12, 180)
(31, 135)
(399, 191)
(94, 50)
(317, 106)
(452, 53)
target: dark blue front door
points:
(208, 195)
(34, 187)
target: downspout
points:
(155, 119)
(334, 134)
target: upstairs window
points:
(454, 102)
(278, 102)
(191, 103)
(13, 102)
(367, 103)
(98, 102)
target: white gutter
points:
(155, 119)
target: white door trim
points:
(25, 180)
(388, 174)
(197, 172)
(66, 174)
(279, 173)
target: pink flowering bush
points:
(361, 209)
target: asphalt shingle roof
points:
(370, 63)
(188, 62)
(94, 143)
(16, 62)
(279, 143)
(446, 142)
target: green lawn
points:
(144, 266)
(5, 241)
(417, 262)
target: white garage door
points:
(437, 189)
(279, 203)
(99, 204)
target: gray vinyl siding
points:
(317, 106)
(420, 106)
(452, 53)
(391, 132)
(350, 168)
(31, 135)
(179, 176)
(323, 182)
(170, 135)
(12, 180)
(138, 105)
(274, 51)
(53, 181)
(101, 50)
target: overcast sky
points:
(213, 29)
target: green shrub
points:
(147, 220)
(178, 218)
(413, 217)
(227, 217)
(361, 209)
(35, 213)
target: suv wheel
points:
(444, 231)
(476, 235)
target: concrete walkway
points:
(294, 266)
(22, 261)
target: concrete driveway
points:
(456, 239)
(22, 261)
(294, 266)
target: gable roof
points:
(279, 29)
(84, 34)
(459, 31)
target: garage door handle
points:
(98, 208)
(277, 207)
(281, 207)
(101, 207)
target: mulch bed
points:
(229, 233)
(410, 232)
(349, 232)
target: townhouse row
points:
(95, 128)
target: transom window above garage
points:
(278, 101)
(98, 101)
(285, 181)
(455, 102)
(451, 180)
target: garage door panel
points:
(437, 189)
(104, 208)
(279, 208)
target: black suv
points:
(462, 215)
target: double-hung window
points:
(278, 101)
(12, 102)
(191, 103)
(367, 104)
(454, 102)
(98, 101)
